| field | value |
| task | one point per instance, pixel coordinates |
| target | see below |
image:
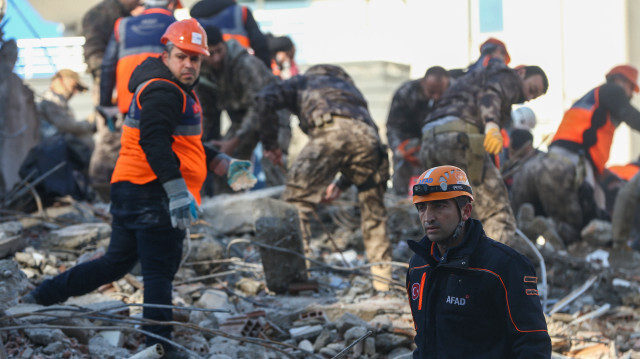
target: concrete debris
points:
(238, 295)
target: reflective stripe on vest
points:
(230, 21)
(589, 125)
(132, 165)
(625, 172)
(138, 38)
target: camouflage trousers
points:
(626, 216)
(402, 173)
(491, 200)
(551, 184)
(352, 148)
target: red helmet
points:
(629, 72)
(188, 35)
(492, 41)
(439, 183)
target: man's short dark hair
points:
(214, 36)
(519, 137)
(536, 70)
(462, 201)
(438, 71)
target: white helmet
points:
(523, 118)
(157, 3)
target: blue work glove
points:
(182, 204)
(239, 175)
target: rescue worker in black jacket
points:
(470, 296)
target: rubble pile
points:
(230, 303)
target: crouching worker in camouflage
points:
(342, 138)
(156, 183)
(464, 130)
(470, 296)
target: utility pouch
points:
(475, 158)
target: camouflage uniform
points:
(234, 90)
(97, 27)
(57, 117)
(551, 184)
(342, 138)
(626, 217)
(453, 135)
(409, 108)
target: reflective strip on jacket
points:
(589, 125)
(132, 165)
(138, 37)
(230, 21)
(479, 300)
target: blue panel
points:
(490, 12)
(24, 22)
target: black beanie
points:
(214, 36)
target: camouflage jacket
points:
(481, 96)
(56, 116)
(409, 108)
(236, 86)
(322, 90)
(97, 27)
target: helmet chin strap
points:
(456, 232)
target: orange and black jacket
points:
(588, 126)
(161, 136)
(478, 300)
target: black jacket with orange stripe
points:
(478, 301)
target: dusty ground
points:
(224, 309)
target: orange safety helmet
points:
(629, 72)
(188, 35)
(439, 183)
(492, 41)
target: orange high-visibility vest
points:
(132, 165)
(138, 37)
(590, 126)
(231, 22)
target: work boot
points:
(547, 229)
(524, 218)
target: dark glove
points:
(182, 205)
(110, 114)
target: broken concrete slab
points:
(11, 239)
(79, 235)
(277, 225)
(232, 214)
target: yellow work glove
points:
(493, 140)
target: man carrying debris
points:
(231, 77)
(470, 296)
(411, 104)
(464, 129)
(342, 138)
(563, 185)
(156, 182)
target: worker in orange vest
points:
(156, 182)
(563, 185)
